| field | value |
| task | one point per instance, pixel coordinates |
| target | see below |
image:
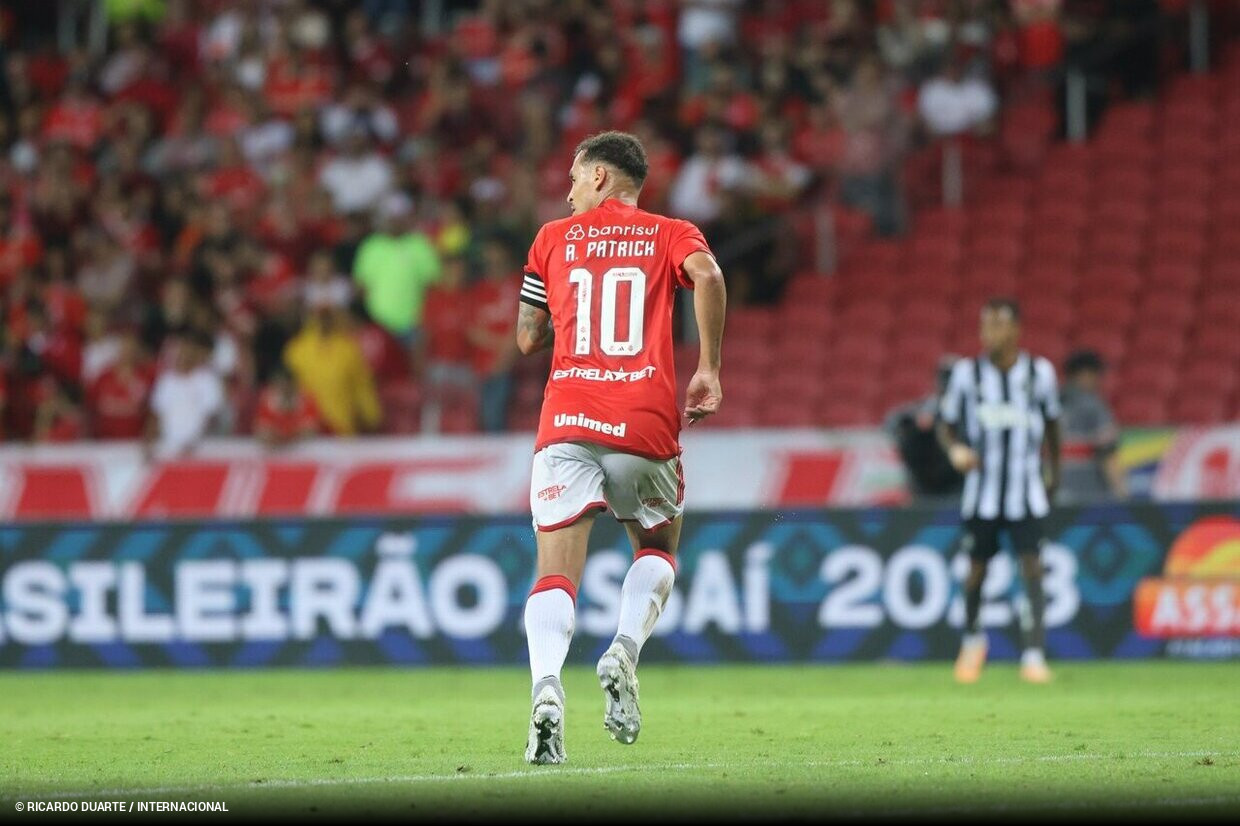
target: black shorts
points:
(981, 536)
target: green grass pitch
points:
(1103, 739)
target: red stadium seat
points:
(1198, 409)
(1140, 410)
(846, 413)
(858, 385)
(740, 356)
(1025, 131)
(1099, 308)
(940, 221)
(926, 315)
(801, 386)
(1128, 118)
(1214, 343)
(1047, 315)
(1156, 342)
(1204, 377)
(1127, 179)
(745, 321)
(1186, 244)
(905, 387)
(1048, 279)
(1185, 181)
(861, 352)
(1173, 274)
(1109, 279)
(880, 255)
(1117, 153)
(1122, 214)
(1111, 246)
(1060, 213)
(1219, 308)
(811, 289)
(1183, 212)
(1165, 308)
(1107, 343)
(733, 415)
(1224, 270)
(804, 320)
(912, 344)
(1189, 115)
(1053, 248)
(939, 248)
(1068, 183)
(745, 387)
(999, 218)
(998, 248)
(873, 315)
(1188, 148)
(1158, 377)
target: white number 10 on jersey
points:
(583, 279)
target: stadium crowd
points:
(254, 217)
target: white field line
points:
(561, 771)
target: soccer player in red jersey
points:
(598, 289)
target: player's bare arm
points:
(1051, 446)
(962, 457)
(534, 330)
(710, 301)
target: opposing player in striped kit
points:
(598, 288)
(1000, 414)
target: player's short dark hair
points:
(1081, 360)
(620, 150)
(1004, 303)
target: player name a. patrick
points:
(619, 249)
(582, 420)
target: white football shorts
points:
(571, 478)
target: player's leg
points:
(648, 584)
(981, 540)
(565, 494)
(1028, 539)
(647, 496)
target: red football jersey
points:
(608, 277)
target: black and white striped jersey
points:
(1003, 416)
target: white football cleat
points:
(546, 739)
(618, 677)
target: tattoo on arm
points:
(535, 324)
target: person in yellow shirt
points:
(329, 366)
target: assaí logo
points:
(1198, 594)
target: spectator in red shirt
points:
(118, 399)
(49, 349)
(20, 246)
(233, 180)
(4, 395)
(444, 355)
(77, 118)
(445, 350)
(490, 335)
(285, 414)
(58, 417)
(1039, 37)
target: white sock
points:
(974, 639)
(646, 588)
(550, 616)
(1032, 656)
